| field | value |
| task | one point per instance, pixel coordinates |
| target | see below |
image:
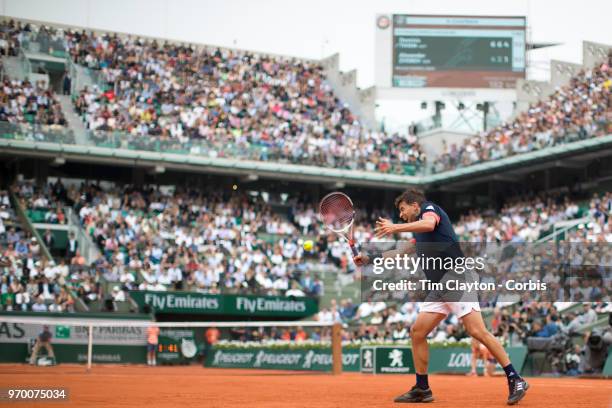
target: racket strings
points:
(337, 211)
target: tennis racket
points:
(337, 214)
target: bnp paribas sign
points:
(242, 305)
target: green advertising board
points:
(314, 359)
(230, 305)
(459, 360)
(386, 360)
(607, 370)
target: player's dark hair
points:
(410, 196)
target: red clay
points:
(193, 386)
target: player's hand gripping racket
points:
(337, 214)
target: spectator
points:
(40, 305)
(399, 332)
(118, 294)
(295, 291)
(588, 316)
(71, 246)
(78, 259)
(300, 334)
(67, 83)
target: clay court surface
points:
(193, 386)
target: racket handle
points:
(352, 245)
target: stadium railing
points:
(562, 227)
(31, 132)
(61, 142)
(21, 214)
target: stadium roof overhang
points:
(202, 164)
(571, 155)
(574, 154)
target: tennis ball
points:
(308, 245)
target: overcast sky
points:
(316, 28)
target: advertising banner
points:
(386, 360)
(236, 305)
(268, 358)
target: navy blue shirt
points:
(443, 232)
(440, 243)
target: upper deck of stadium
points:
(162, 104)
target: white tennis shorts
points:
(460, 309)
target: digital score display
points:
(175, 346)
(168, 348)
(458, 51)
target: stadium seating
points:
(25, 102)
(10, 33)
(577, 111)
(220, 103)
(153, 239)
(27, 280)
(154, 95)
(227, 103)
(31, 111)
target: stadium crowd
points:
(579, 110)
(28, 281)
(220, 103)
(11, 33)
(193, 241)
(159, 239)
(25, 102)
(228, 103)
(31, 111)
(165, 239)
(526, 220)
(156, 239)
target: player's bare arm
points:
(385, 227)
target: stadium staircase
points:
(361, 102)
(27, 225)
(74, 120)
(81, 76)
(13, 67)
(337, 286)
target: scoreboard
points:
(452, 51)
(176, 346)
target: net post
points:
(336, 345)
(89, 347)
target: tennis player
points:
(430, 224)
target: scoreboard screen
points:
(457, 51)
(176, 346)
